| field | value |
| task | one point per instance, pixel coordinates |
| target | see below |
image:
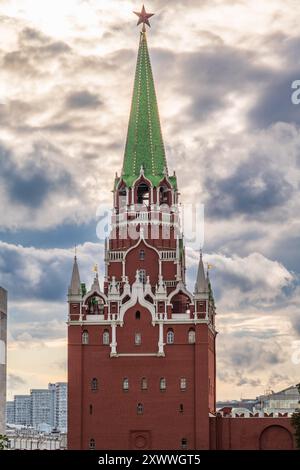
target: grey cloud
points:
(14, 381)
(296, 324)
(32, 36)
(35, 275)
(248, 381)
(39, 331)
(274, 103)
(275, 379)
(83, 99)
(287, 251)
(34, 52)
(210, 76)
(51, 280)
(237, 378)
(253, 189)
(253, 355)
(35, 180)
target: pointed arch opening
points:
(143, 194)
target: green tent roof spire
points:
(144, 145)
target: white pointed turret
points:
(75, 286)
(95, 286)
(201, 286)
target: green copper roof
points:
(144, 145)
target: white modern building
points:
(61, 406)
(10, 412)
(22, 410)
(285, 401)
(43, 410)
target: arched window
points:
(126, 384)
(144, 384)
(184, 443)
(142, 276)
(92, 444)
(105, 337)
(91, 409)
(137, 339)
(142, 255)
(181, 408)
(143, 194)
(164, 195)
(170, 337)
(138, 315)
(94, 384)
(122, 197)
(183, 383)
(85, 337)
(140, 409)
(163, 383)
(192, 336)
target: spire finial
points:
(209, 267)
(75, 251)
(143, 18)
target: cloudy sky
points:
(223, 71)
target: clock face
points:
(2, 353)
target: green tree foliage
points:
(3, 442)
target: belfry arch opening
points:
(180, 303)
(143, 194)
(95, 305)
(164, 195)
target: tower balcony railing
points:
(134, 218)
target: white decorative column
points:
(113, 345)
(160, 270)
(161, 339)
(123, 270)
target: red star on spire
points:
(143, 17)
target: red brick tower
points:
(141, 350)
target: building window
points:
(142, 276)
(138, 315)
(184, 443)
(94, 384)
(85, 337)
(163, 383)
(126, 384)
(170, 337)
(192, 336)
(183, 383)
(140, 409)
(137, 339)
(181, 408)
(105, 337)
(144, 384)
(91, 409)
(142, 255)
(92, 444)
